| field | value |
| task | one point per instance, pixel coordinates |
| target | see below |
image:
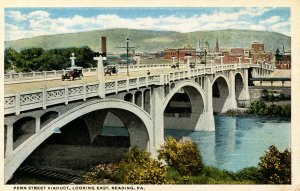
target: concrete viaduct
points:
(146, 105)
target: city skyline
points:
(29, 22)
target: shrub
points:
(275, 166)
(183, 155)
(249, 174)
(258, 107)
(137, 167)
(286, 110)
(101, 173)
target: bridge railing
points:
(86, 72)
(42, 98)
(22, 101)
(43, 74)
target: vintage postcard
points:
(150, 96)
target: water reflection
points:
(238, 142)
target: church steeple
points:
(217, 45)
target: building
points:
(234, 55)
(283, 59)
(258, 53)
(257, 47)
(179, 53)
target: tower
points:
(217, 45)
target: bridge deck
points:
(270, 79)
(34, 85)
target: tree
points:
(11, 57)
(275, 166)
(183, 155)
(137, 167)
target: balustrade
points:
(15, 103)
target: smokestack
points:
(103, 44)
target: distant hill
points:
(153, 41)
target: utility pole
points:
(205, 56)
(127, 53)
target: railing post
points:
(100, 73)
(116, 85)
(18, 103)
(147, 81)
(44, 98)
(137, 83)
(84, 92)
(66, 95)
(127, 84)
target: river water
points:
(238, 142)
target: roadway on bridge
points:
(46, 83)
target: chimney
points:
(103, 44)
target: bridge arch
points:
(239, 85)
(48, 117)
(141, 136)
(184, 106)
(23, 128)
(129, 97)
(220, 93)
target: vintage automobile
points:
(192, 65)
(175, 65)
(111, 69)
(72, 73)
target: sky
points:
(29, 22)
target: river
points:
(238, 142)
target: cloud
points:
(16, 15)
(38, 15)
(41, 23)
(270, 20)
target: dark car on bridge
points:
(111, 69)
(72, 73)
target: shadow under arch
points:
(220, 93)
(12, 162)
(184, 106)
(239, 85)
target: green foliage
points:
(275, 166)
(11, 57)
(183, 155)
(137, 167)
(100, 173)
(258, 107)
(218, 175)
(38, 59)
(213, 175)
(249, 174)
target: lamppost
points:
(127, 53)
(205, 57)
(127, 50)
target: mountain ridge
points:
(154, 40)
